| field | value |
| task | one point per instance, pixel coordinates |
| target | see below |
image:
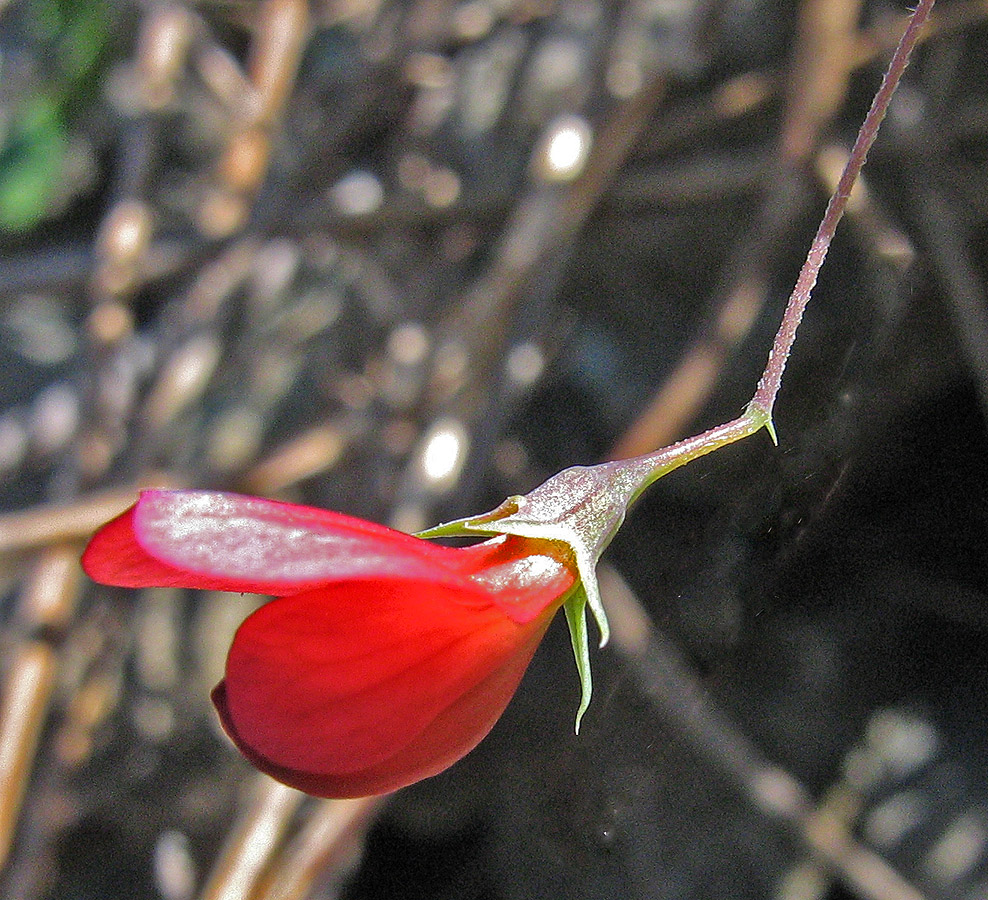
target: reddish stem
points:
(768, 385)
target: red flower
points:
(384, 659)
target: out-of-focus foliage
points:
(46, 73)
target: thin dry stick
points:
(820, 71)
(330, 838)
(276, 52)
(669, 683)
(543, 224)
(46, 605)
(52, 523)
(313, 451)
(252, 842)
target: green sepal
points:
(505, 519)
(575, 608)
(581, 508)
(762, 418)
(471, 526)
(511, 518)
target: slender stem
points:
(641, 471)
(652, 466)
(768, 386)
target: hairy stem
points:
(768, 385)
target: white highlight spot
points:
(358, 193)
(567, 145)
(174, 870)
(903, 742)
(444, 452)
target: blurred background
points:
(402, 259)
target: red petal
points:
(339, 681)
(524, 576)
(113, 556)
(449, 737)
(221, 541)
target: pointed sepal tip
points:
(762, 418)
(575, 608)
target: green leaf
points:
(31, 164)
